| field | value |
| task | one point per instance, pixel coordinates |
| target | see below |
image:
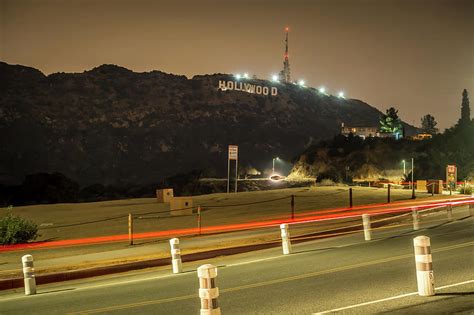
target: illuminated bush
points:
(14, 230)
(465, 189)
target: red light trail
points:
(313, 216)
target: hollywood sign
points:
(247, 87)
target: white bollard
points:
(285, 239)
(176, 256)
(424, 266)
(449, 210)
(208, 291)
(416, 220)
(367, 229)
(29, 275)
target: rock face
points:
(110, 125)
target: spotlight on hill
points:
(238, 76)
(301, 82)
(322, 89)
(246, 75)
(340, 94)
(274, 78)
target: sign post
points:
(451, 176)
(233, 155)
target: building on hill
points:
(370, 131)
(361, 131)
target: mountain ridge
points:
(112, 125)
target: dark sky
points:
(416, 55)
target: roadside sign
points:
(233, 152)
(451, 176)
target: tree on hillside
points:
(390, 122)
(465, 110)
(428, 124)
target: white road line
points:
(114, 282)
(252, 261)
(294, 253)
(84, 286)
(390, 298)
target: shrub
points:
(326, 182)
(465, 189)
(330, 174)
(14, 230)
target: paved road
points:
(320, 276)
(66, 258)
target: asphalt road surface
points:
(344, 274)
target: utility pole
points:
(273, 164)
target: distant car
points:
(276, 177)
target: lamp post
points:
(404, 167)
(273, 164)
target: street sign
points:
(451, 176)
(233, 152)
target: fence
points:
(221, 217)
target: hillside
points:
(378, 158)
(110, 125)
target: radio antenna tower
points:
(285, 73)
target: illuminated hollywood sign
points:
(247, 87)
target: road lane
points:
(413, 301)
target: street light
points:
(273, 164)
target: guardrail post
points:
(130, 229)
(449, 211)
(199, 219)
(350, 197)
(29, 275)
(176, 256)
(424, 266)
(366, 224)
(416, 220)
(208, 291)
(388, 193)
(285, 239)
(292, 207)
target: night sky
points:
(417, 56)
